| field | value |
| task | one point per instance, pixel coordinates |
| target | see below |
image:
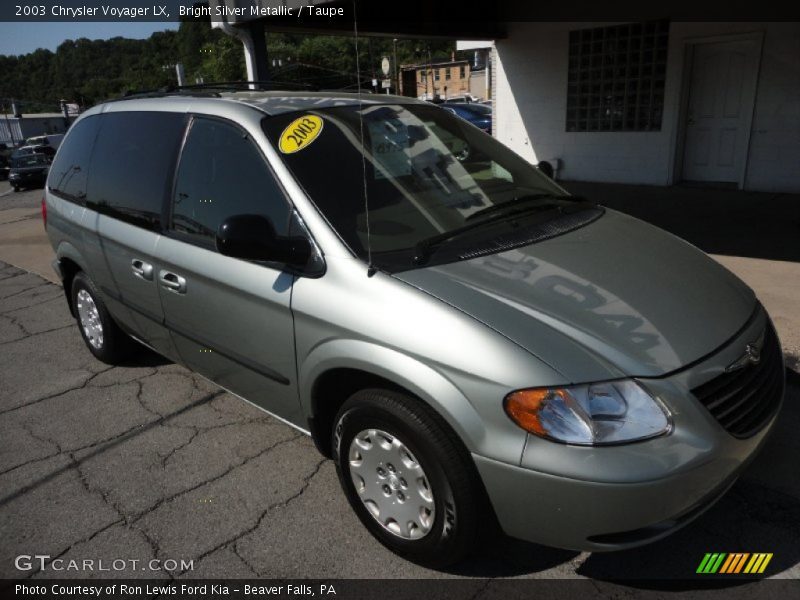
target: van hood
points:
(617, 297)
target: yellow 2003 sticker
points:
(300, 133)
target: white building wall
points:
(530, 109)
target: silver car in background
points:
(469, 343)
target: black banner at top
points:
(452, 16)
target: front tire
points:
(98, 329)
(408, 477)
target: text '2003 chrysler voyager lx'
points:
(468, 342)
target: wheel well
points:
(69, 269)
(330, 391)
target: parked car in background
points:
(51, 139)
(477, 114)
(29, 170)
(463, 99)
(45, 149)
(3, 168)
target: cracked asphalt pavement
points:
(148, 460)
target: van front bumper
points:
(650, 498)
(595, 516)
(616, 497)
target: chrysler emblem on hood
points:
(751, 356)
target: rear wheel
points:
(16, 188)
(407, 477)
(101, 334)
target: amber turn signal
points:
(523, 407)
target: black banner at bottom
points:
(402, 589)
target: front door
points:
(721, 96)
(231, 319)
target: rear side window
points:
(222, 173)
(69, 171)
(132, 165)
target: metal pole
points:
(8, 124)
(430, 68)
(396, 70)
(181, 74)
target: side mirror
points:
(253, 237)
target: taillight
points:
(44, 212)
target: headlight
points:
(599, 413)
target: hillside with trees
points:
(90, 71)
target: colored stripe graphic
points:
(703, 563)
(732, 558)
(734, 562)
(711, 562)
(758, 563)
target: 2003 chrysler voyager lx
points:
(467, 341)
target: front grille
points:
(744, 400)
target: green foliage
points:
(90, 71)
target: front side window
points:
(427, 174)
(221, 174)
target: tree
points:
(90, 71)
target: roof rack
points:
(244, 86)
(213, 89)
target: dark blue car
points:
(479, 115)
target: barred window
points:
(616, 77)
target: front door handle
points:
(141, 269)
(172, 282)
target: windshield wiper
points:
(422, 249)
(519, 201)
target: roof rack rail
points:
(213, 89)
(244, 86)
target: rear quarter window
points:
(68, 174)
(132, 165)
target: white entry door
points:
(721, 96)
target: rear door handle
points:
(141, 269)
(172, 282)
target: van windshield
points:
(432, 182)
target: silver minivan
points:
(469, 343)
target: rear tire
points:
(98, 329)
(408, 477)
(16, 188)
